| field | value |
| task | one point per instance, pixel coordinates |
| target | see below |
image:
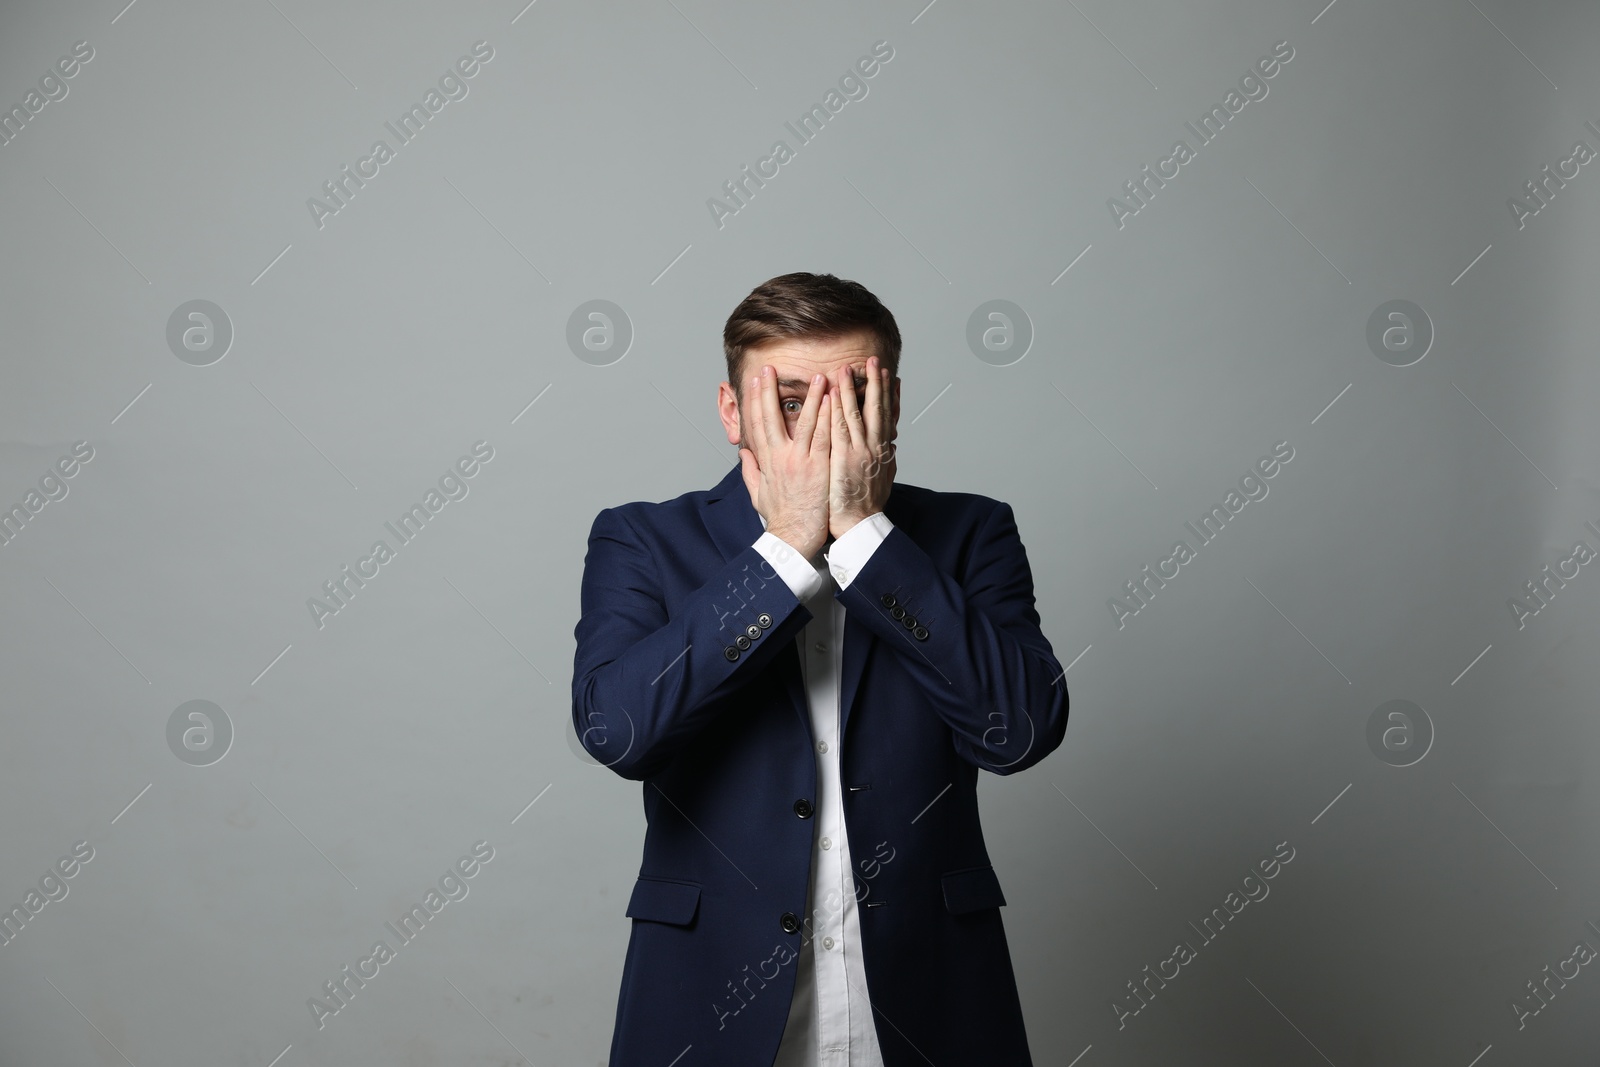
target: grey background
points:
(369, 354)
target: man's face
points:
(795, 360)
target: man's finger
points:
(838, 428)
(823, 430)
(888, 404)
(849, 410)
(874, 409)
(838, 452)
(776, 429)
(805, 428)
(753, 436)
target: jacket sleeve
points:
(647, 673)
(981, 660)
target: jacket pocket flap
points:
(971, 890)
(662, 901)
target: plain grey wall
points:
(1440, 861)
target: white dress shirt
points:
(830, 1018)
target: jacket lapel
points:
(859, 640)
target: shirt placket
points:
(833, 1007)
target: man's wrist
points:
(797, 539)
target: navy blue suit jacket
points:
(687, 678)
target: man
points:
(806, 666)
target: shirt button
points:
(822, 746)
(826, 843)
(820, 646)
(827, 942)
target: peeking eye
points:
(796, 401)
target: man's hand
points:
(788, 478)
(861, 463)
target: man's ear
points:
(728, 412)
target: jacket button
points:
(789, 922)
(920, 633)
(763, 620)
(752, 631)
(731, 652)
(909, 622)
(888, 600)
(802, 808)
(741, 642)
(896, 611)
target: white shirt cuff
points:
(850, 553)
(795, 570)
